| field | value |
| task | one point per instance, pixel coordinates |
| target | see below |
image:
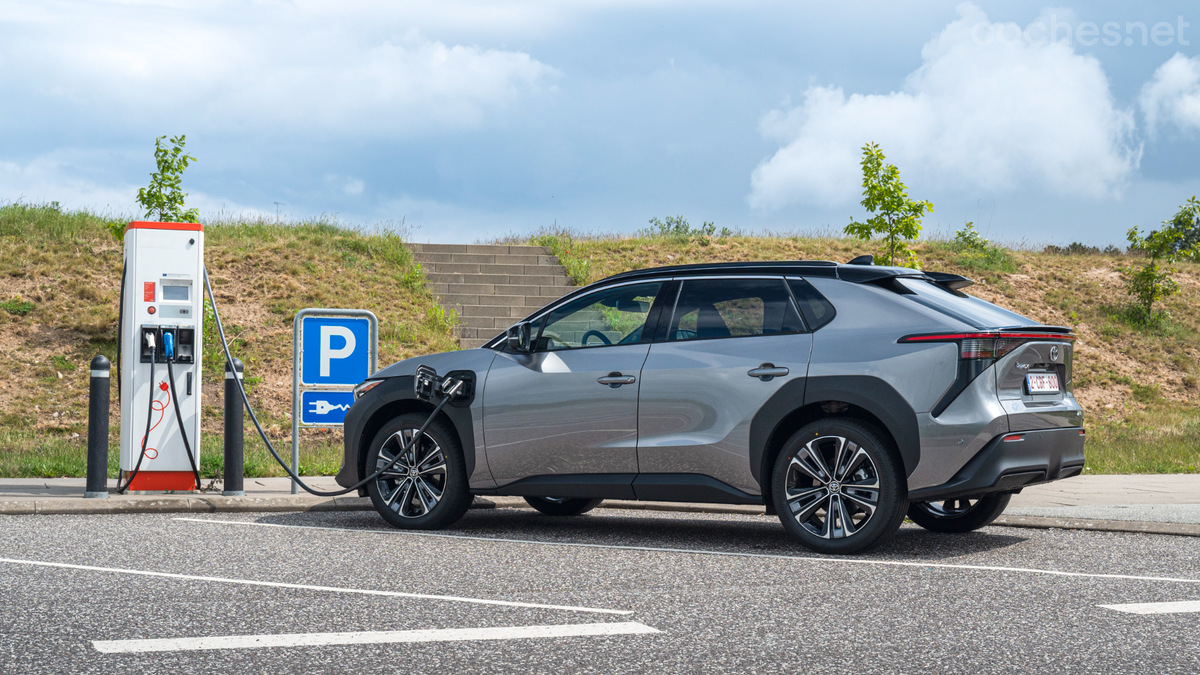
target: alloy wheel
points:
(832, 487)
(950, 508)
(415, 483)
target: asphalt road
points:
(733, 594)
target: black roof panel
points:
(810, 268)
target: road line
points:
(370, 637)
(1182, 607)
(306, 587)
(692, 551)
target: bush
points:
(677, 227)
(975, 252)
(17, 306)
(1076, 248)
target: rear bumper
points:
(1007, 466)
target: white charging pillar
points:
(164, 281)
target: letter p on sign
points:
(336, 350)
(328, 333)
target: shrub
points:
(975, 252)
(17, 306)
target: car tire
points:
(850, 508)
(433, 496)
(562, 506)
(961, 514)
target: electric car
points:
(843, 397)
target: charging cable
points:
(149, 414)
(450, 388)
(167, 340)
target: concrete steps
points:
(491, 286)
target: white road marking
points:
(1182, 607)
(306, 587)
(694, 551)
(371, 637)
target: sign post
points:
(332, 351)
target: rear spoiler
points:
(950, 282)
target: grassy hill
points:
(60, 278)
(59, 284)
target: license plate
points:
(1042, 383)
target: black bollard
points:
(97, 454)
(233, 432)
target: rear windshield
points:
(970, 310)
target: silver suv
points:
(841, 397)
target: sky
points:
(471, 120)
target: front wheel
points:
(961, 514)
(562, 506)
(426, 489)
(838, 487)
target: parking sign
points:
(335, 350)
(332, 350)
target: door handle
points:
(615, 380)
(768, 371)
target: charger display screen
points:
(175, 292)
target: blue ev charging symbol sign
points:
(336, 351)
(324, 408)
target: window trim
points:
(664, 330)
(542, 319)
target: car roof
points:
(808, 268)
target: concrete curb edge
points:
(300, 503)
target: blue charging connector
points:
(169, 344)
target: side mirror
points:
(519, 337)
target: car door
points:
(570, 406)
(731, 344)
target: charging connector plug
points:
(150, 342)
(169, 345)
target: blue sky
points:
(476, 119)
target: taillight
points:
(986, 345)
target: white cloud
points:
(1172, 96)
(279, 69)
(977, 115)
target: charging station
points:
(162, 313)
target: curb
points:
(1177, 529)
(301, 503)
(215, 504)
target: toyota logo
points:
(1054, 353)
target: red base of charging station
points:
(153, 481)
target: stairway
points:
(491, 286)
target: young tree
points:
(896, 217)
(1186, 223)
(1154, 281)
(163, 198)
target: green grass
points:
(1161, 438)
(28, 454)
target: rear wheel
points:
(562, 506)
(426, 488)
(961, 514)
(838, 487)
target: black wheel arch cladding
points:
(870, 394)
(395, 396)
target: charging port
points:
(185, 345)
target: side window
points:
(723, 308)
(608, 317)
(816, 309)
